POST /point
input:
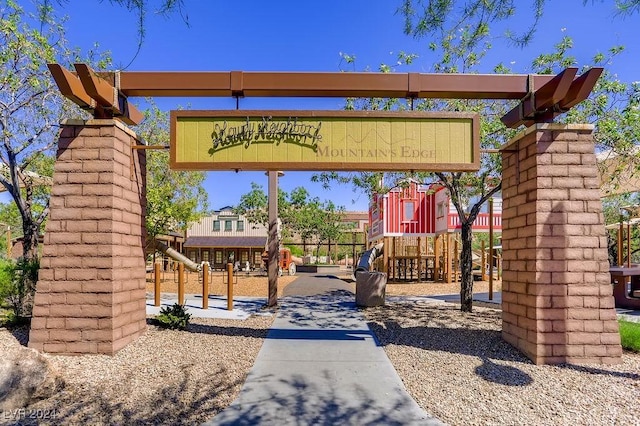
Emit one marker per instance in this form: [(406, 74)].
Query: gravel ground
[(455, 366), (165, 377)]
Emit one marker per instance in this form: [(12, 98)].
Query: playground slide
[(368, 257), (162, 247)]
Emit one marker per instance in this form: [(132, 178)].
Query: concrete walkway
[(321, 365)]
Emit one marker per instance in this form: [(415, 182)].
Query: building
[(418, 227), (223, 237)]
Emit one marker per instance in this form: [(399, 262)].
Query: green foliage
[(175, 199), (31, 108), (173, 317), (630, 335), (16, 282)]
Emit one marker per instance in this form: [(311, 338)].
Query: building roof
[(225, 242)]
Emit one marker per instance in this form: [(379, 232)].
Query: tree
[(140, 8), (301, 215), (446, 19), (30, 109), (175, 199)]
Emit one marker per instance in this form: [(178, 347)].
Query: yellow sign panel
[(324, 140)]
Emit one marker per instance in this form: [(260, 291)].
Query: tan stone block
[(610, 326), (121, 343), (575, 350), (106, 348), (583, 313), (80, 226), (550, 314), (58, 335), (65, 286), (53, 348), (609, 338), (63, 311), (98, 285), (614, 350), (98, 165), (96, 311), (81, 324), (584, 338), (66, 189), (607, 314), (97, 335), (572, 325), (98, 262), (53, 322), (82, 299), (83, 178), (82, 348)]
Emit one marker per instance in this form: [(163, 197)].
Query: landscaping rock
[(26, 376)]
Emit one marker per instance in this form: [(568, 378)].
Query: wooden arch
[(542, 97)]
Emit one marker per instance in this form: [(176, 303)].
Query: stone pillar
[(90, 297), (557, 303)]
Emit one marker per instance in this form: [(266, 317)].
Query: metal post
[(229, 286), (181, 283), (490, 248), (156, 286), (205, 285), (274, 249)]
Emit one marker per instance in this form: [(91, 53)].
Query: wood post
[(436, 258), (483, 261), (419, 261), (491, 248), (229, 286), (205, 285), (181, 283), (156, 285)]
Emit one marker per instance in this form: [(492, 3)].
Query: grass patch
[(630, 335)]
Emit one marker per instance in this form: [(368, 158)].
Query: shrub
[(173, 317), (17, 286), (630, 335)]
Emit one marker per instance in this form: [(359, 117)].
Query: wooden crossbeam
[(94, 93), (537, 102), (98, 88), (70, 86), (556, 97), (580, 89), (542, 96)]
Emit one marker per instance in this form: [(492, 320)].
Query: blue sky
[(309, 36)]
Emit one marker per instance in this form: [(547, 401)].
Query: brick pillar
[(90, 297), (557, 303)]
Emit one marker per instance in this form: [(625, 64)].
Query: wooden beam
[(538, 104), (317, 84), (97, 87), (70, 86), (580, 89), (108, 96)]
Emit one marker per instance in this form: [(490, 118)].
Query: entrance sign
[(324, 140)]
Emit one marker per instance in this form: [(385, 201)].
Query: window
[(205, 256), (408, 210), (244, 256), (257, 258), (192, 255), (440, 209), (216, 226), (228, 226), (218, 256), (240, 226)]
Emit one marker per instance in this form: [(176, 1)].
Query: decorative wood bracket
[(553, 98), (94, 93)]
